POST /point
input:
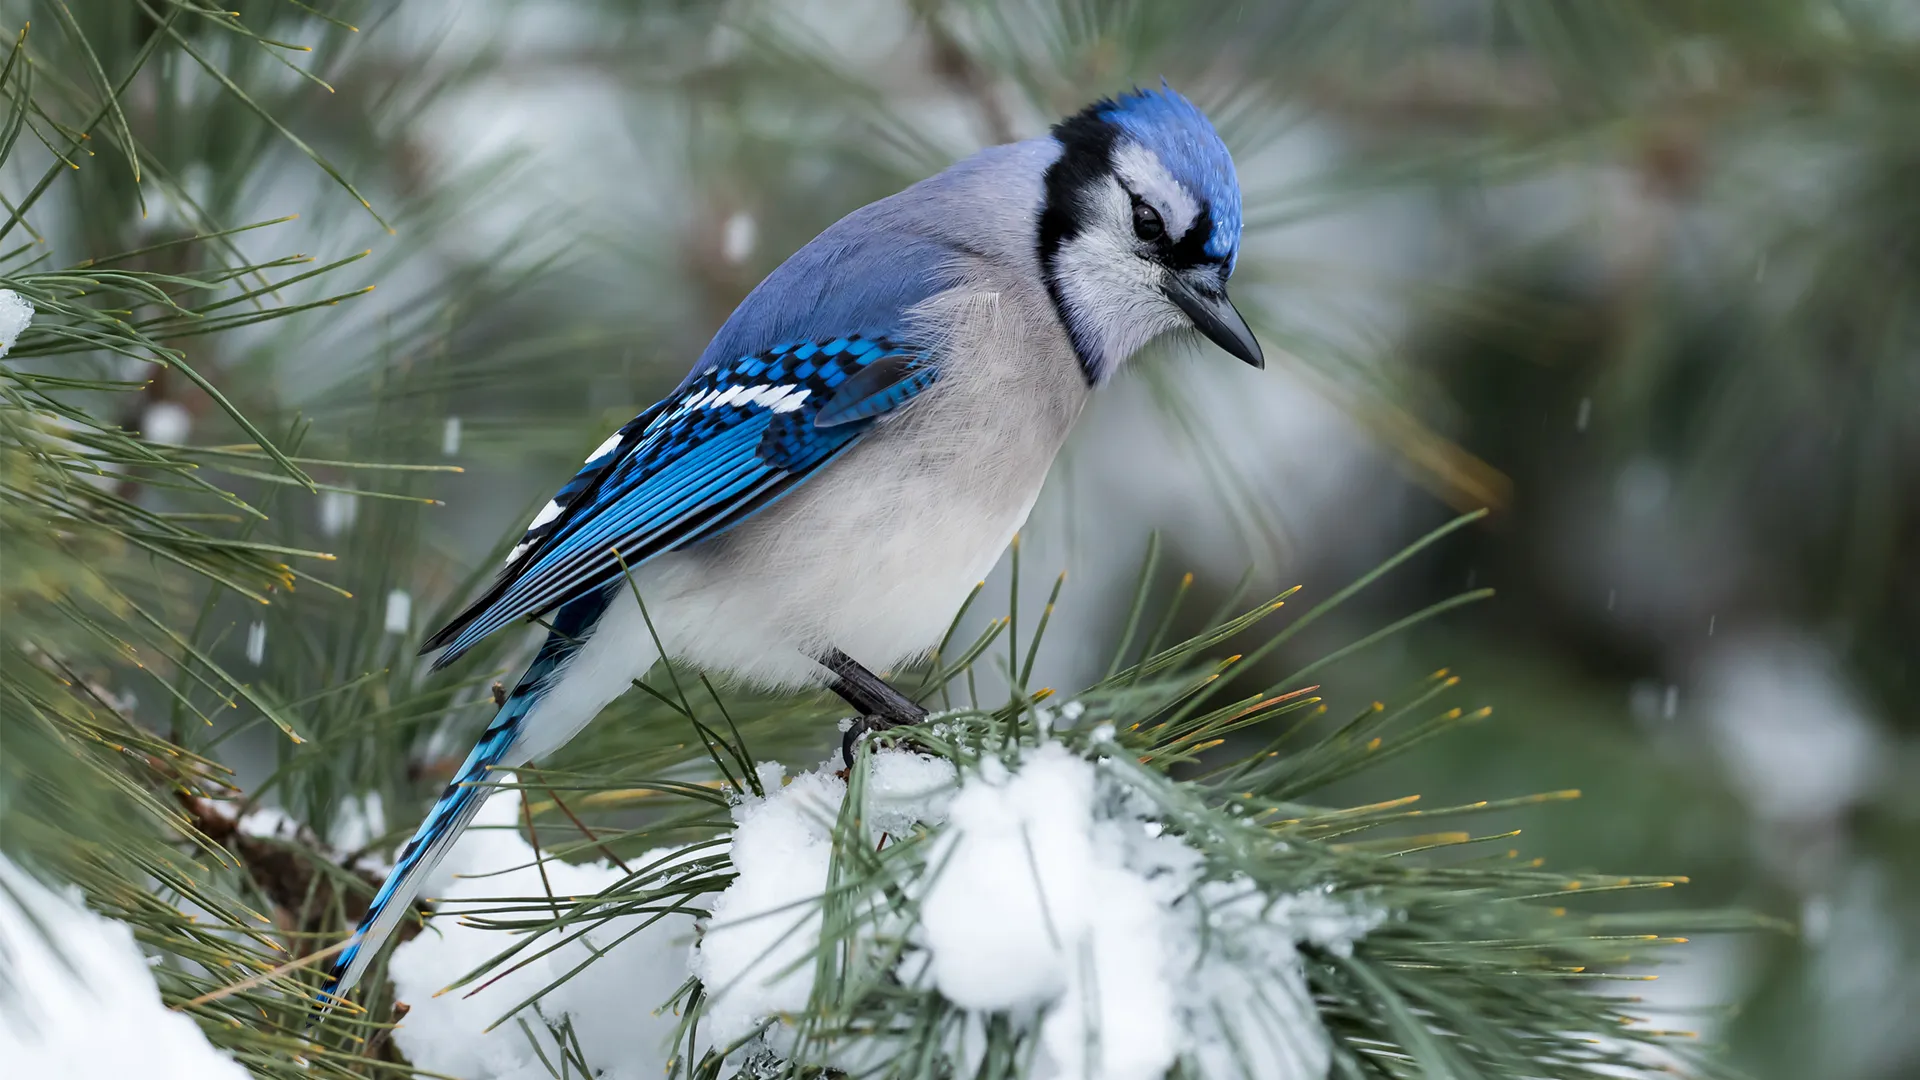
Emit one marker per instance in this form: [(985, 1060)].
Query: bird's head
[(1141, 228)]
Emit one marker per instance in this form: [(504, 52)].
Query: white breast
[(874, 555)]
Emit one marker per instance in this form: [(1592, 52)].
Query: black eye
[(1146, 222)]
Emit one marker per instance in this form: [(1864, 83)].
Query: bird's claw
[(860, 726)]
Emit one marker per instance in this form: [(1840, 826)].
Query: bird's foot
[(858, 727), (881, 706), (865, 725)]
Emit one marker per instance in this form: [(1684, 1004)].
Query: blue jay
[(857, 445)]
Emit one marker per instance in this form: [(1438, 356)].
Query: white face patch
[(1113, 295), (1143, 174)]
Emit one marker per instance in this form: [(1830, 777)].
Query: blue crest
[(1184, 139)]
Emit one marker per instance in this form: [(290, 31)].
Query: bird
[(856, 446)]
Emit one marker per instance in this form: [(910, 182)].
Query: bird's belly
[(873, 556)]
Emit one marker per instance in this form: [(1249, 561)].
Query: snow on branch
[(1038, 893)]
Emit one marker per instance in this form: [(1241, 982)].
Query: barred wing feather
[(727, 444)]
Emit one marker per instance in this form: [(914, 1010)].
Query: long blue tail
[(502, 745)]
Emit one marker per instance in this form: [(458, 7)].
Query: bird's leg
[(880, 706)]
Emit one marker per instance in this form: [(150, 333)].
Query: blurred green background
[(1642, 276)]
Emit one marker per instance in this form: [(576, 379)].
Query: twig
[(379, 1040), (539, 860), (588, 833)]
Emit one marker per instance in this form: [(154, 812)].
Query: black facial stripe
[(1085, 159), (1191, 251)]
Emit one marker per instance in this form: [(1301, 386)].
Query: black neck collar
[(1086, 157)]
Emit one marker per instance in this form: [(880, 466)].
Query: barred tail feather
[(430, 843), (569, 681)]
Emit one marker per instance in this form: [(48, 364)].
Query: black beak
[(1215, 317)]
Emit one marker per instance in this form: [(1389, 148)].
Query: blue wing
[(728, 443)]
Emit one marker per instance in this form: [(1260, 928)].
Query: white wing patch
[(603, 450), (776, 397), (547, 513)]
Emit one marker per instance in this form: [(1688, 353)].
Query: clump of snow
[(1056, 897), (1319, 917), (609, 1005), (904, 789), (16, 314), (770, 774), (79, 1001), (1047, 719), (1249, 1011), (754, 954), (1035, 906), (1052, 900), (1260, 1023)]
